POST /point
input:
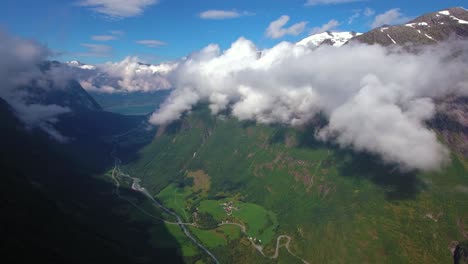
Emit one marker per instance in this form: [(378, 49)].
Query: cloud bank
[(128, 75), (377, 100)]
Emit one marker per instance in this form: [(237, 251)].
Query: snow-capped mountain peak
[(335, 39), (77, 64)]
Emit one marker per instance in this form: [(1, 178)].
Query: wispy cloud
[(222, 14), (103, 37), (367, 12), (332, 24), (118, 8), (151, 43), (354, 16), (390, 17), (328, 2), (117, 32), (276, 28), (95, 50), (114, 34)]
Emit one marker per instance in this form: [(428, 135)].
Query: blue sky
[(96, 31)]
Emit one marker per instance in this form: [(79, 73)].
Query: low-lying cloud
[(377, 100), (19, 69)]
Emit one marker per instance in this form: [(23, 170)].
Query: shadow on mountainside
[(57, 212), (398, 185)]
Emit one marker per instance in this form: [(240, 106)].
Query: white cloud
[(151, 43), (376, 99), (354, 16), (369, 12), (329, 2), (114, 34), (390, 17), (117, 32), (103, 37), (332, 24), (118, 8), (276, 28), (222, 14), (95, 50)]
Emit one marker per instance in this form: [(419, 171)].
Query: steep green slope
[(336, 206)]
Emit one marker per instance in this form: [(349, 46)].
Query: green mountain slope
[(335, 206)]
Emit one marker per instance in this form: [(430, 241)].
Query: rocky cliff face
[(451, 121)]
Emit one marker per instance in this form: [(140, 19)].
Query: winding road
[(137, 187), (260, 248)]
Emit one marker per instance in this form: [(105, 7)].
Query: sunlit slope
[(336, 205)]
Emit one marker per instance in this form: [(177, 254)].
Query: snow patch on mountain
[(459, 20), (444, 12), (423, 24), (336, 39)]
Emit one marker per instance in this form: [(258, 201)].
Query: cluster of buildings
[(229, 207)]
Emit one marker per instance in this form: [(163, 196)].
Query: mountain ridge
[(424, 30)]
